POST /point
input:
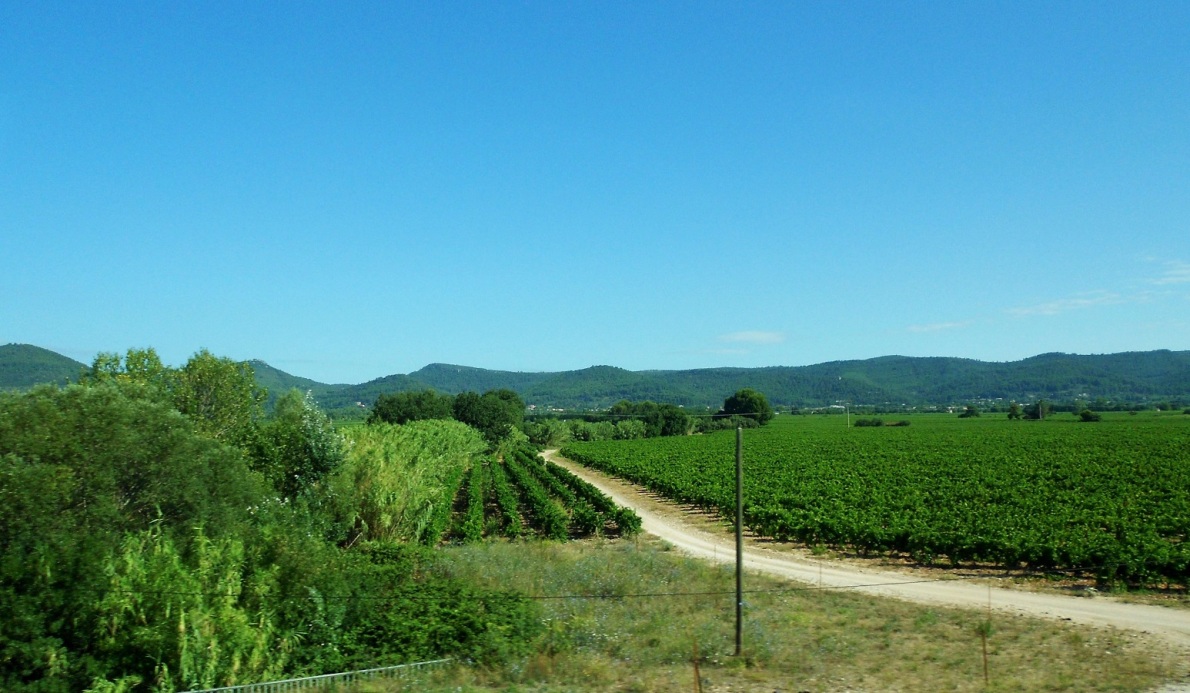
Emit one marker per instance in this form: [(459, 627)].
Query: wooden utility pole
[(739, 541)]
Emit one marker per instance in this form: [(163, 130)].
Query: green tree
[(403, 407), (970, 412), (300, 445), (80, 467), (219, 395), (1038, 411), (139, 373), (748, 403), (495, 414), (1014, 411)]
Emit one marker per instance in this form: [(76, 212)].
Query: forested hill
[(1128, 378), (23, 365), (1135, 377)]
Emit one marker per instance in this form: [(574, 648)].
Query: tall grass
[(649, 607), (396, 478)]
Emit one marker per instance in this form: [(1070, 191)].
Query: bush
[(868, 422), (1088, 415)]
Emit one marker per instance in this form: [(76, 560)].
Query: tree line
[(159, 532)]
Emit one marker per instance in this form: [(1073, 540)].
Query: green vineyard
[(523, 495), (1110, 499)]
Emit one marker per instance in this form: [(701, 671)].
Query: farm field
[(524, 496), (430, 482), (1109, 499)]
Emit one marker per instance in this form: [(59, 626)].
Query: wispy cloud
[(1176, 272), (939, 326), (753, 337), (1076, 302)]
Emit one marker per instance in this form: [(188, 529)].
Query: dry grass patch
[(654, 605)]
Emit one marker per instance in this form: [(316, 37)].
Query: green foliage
[(395, 478), (658, 419), (748, 403), (1039, 410), (186, 620), (298, 447), (495, 414), (403, 407), (1014, 411), (629, 429), (1089, 416), (81, 467), (406, 614), (141, 551), (477, 488), (547, 433), (872, 422), (557, 503), (545, 514), (506, 500), (219, 395), (970, 412)]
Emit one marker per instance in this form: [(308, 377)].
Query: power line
[(561, 597)]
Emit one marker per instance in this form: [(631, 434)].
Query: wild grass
[(644, 609)]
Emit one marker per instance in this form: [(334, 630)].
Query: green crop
[(1111, 499)]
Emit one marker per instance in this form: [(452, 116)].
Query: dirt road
[(682, 530)]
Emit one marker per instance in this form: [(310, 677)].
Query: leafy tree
[(1014, 411), (403, 407), (1088, 416), (663, 419), (495, 414), (970, 412), (547, 433), (1038, 411), (219, 395), (629, 429), (300, 446), (748, 403), (139, 373), (81, 467)]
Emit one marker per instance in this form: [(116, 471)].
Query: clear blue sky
[(349, 190)]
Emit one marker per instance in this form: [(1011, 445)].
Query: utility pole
[(739, 541)]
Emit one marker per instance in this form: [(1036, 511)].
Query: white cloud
[(753, 337), (939, 326), (1176, 272), (1076, 302)]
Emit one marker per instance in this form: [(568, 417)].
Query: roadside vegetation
[(645, 610)]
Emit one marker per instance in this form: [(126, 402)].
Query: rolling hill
[(887, 381), (23, 365)]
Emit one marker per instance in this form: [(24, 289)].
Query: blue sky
[(351, 190)]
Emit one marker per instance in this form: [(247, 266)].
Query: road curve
[(1170, 624)]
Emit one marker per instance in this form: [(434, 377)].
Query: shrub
[(869, 422)]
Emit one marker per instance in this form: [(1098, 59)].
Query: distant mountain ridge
[(1129, 377)]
